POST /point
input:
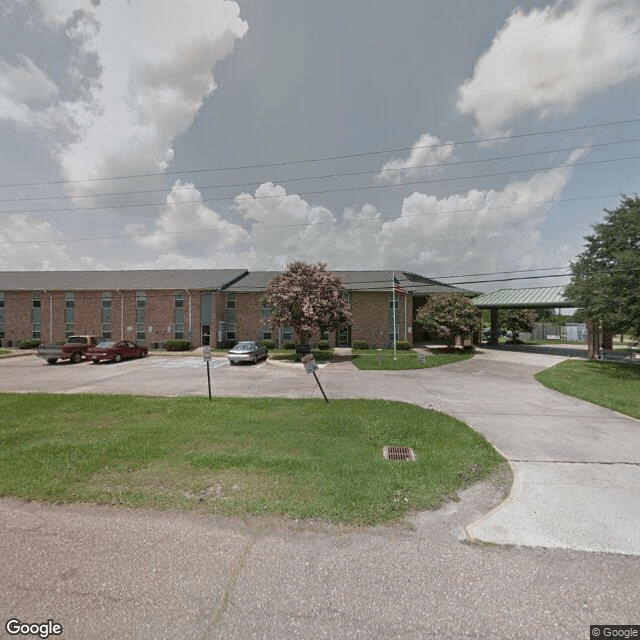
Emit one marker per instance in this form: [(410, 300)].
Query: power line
[(328, 158), (320, 177), (264, 226), (239, 198)]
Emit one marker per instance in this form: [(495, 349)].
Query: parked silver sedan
[(247, 351)]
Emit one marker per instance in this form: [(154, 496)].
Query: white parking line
[(176, 363)]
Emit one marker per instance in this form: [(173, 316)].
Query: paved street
[(563, 549)]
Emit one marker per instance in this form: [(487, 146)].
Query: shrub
[(269, 344), (60, 341), (178, 345), (29, 344), (360, 344), (229, 344), (289, 345), (403, 345), (323, 345)]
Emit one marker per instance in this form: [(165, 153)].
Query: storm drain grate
[(398, 453)]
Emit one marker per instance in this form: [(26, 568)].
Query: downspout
[(50, 315), (121, 313), (190, 328)]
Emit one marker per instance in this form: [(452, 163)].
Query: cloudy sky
[(446, 138)]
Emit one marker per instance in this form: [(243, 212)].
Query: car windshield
[(76, 340), (106, 345), (243, 346)]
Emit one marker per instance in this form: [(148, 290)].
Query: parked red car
[(115, 351)]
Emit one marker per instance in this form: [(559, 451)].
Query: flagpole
[(393, 289)]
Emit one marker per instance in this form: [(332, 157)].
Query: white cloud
[(286, 227), (21, 244), (185, 225), (426, 154), (481, 230), (141, 71), (25, 93), (550, 59)]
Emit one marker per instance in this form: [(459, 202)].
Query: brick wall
[(370, 311), (17, 316)]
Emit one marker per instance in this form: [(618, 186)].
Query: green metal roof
[(523, 298)]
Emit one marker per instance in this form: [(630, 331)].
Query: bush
[(323, 345), (229, 344), (289, 345), (60, 341), (360, 345), (403, 345), (29, 344), (269, 344), (178, 345)]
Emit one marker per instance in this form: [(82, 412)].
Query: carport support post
[(494, 325)]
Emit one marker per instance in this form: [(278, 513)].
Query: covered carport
[(532, 298)]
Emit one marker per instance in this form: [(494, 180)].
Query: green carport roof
[(523, 298)]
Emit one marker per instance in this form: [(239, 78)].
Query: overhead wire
[(328, 158), (264, 226), (240, 198), (281, 180)]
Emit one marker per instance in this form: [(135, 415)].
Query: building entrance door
[(205, 332), (344, 337)]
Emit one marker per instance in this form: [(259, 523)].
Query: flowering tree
[(449, 315), (517, 321), (308, 297)]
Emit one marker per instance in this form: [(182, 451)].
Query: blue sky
[(441, 138)]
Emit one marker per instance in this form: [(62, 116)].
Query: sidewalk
[(576, 465)]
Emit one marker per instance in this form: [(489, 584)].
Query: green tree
[(605, 281), (449, 315), (517, 321), (308, 297)]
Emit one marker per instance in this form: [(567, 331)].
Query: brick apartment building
[(205, 306)]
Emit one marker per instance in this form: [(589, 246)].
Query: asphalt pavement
[(561, 553)]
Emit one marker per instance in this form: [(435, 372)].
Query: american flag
[(398, 288)]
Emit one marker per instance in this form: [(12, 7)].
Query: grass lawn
[(297, 458), (4, 352), (615, 385), (369, 359), (324, 355)]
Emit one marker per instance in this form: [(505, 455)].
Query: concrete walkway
[(576, 465)]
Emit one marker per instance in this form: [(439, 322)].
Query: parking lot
[(155, 375)]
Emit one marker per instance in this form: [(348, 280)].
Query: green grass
[(383, 361), (296, 458), (4, 352), (289, 355), (615, 385)]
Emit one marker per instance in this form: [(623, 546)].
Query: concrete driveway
[(573, 517)]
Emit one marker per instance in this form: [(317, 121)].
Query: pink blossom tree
[(449, 315), (308, 297)]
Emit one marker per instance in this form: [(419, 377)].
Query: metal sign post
[(206, 356), (311, 366)]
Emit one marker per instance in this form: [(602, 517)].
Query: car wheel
[(76, 357), (255, 359), (52, 360), (142, 353), (117, 357), (95, 360)]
